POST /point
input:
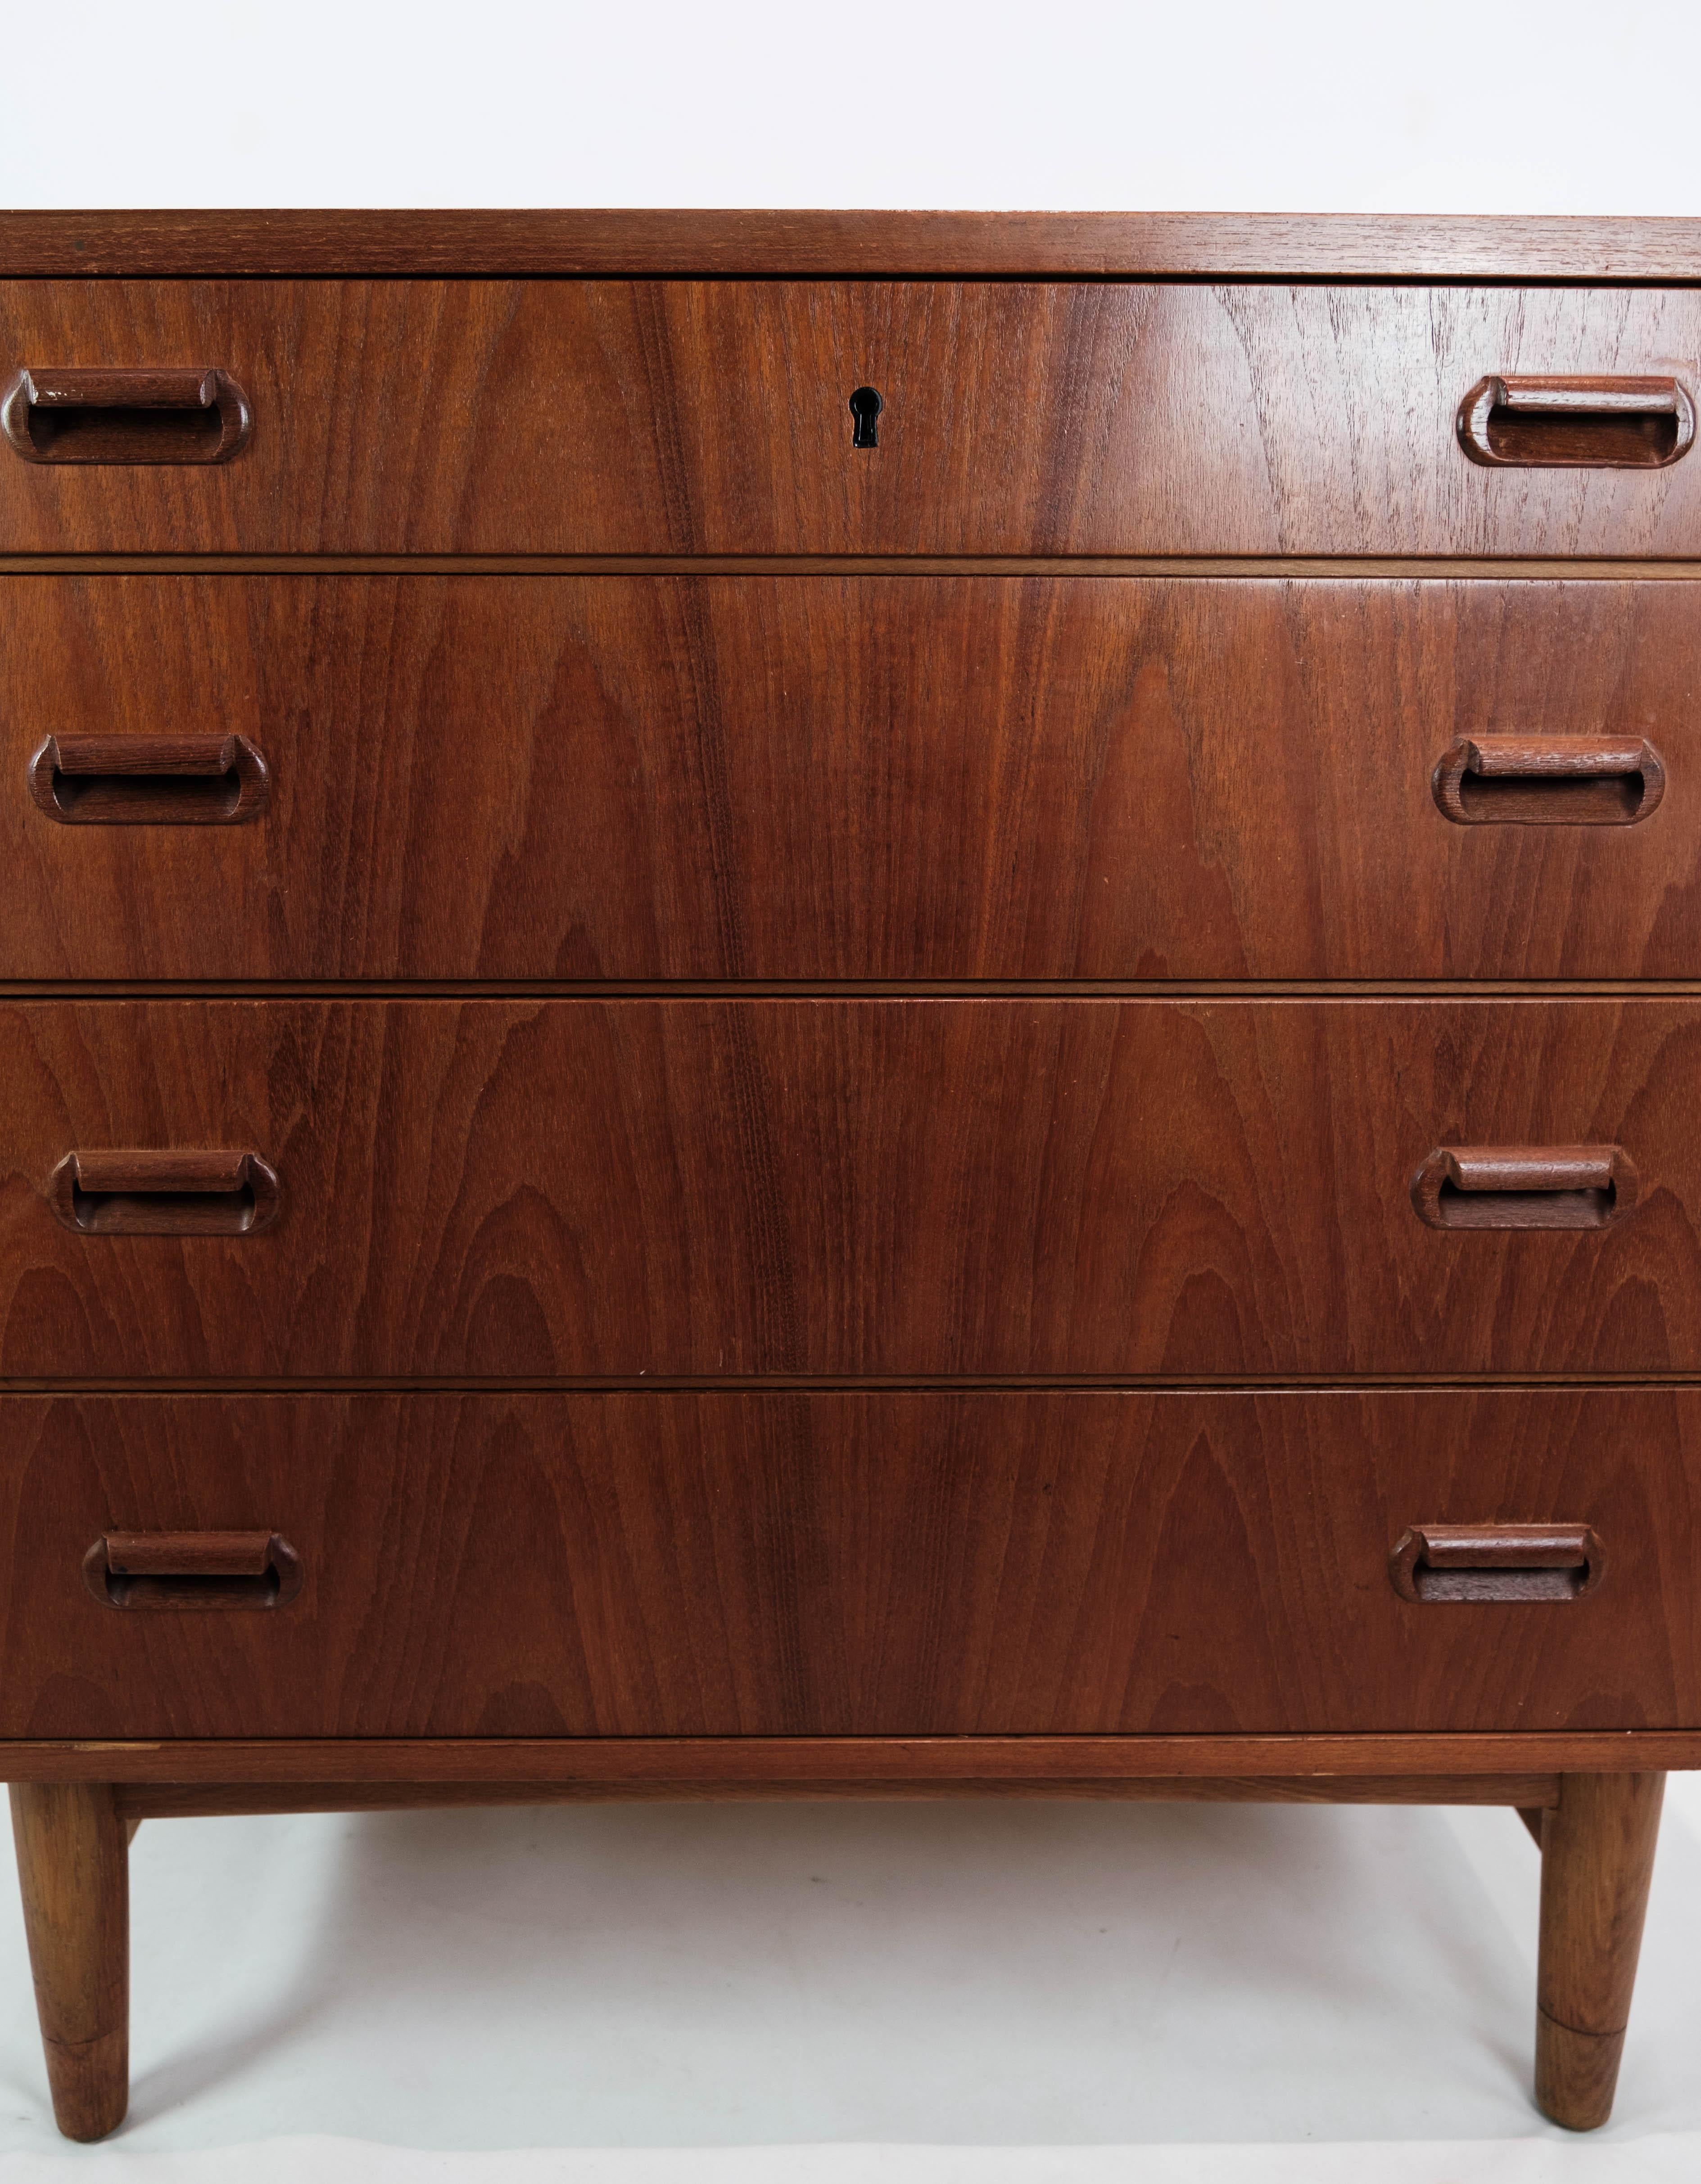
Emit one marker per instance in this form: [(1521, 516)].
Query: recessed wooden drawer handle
[(65, 415), (1549, 781), (1510, 422), (1523, 1186), (1495, 1562), (164, 1193), (149, 781), (192, 1569)]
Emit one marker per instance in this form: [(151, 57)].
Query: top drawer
[(690, 416)]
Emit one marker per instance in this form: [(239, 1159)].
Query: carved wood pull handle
[(1523, 1186), (1511, 422), (1549, 781), (64, 413), (192, 1569), (164, 1193), (149, 781), (1495, 1562)]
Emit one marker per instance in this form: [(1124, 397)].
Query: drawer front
[(846, 777), (624, 417), (846, 1187), (875, 1563)]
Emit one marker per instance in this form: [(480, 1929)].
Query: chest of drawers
[(856, 1006)]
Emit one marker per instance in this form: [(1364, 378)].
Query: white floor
[(904, 1993)]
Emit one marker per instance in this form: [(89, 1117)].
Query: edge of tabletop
[(821, 245)]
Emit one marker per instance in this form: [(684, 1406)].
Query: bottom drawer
[(777, 1562)]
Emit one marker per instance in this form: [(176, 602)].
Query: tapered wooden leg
[(1597, 1860), (73, 1867)]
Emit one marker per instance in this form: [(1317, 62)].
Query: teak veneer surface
[(613, 417), (1532, 1794), (591, 1505), (834, 1766), (814, 778), (902, 1187), (74, 1873), (847, 1563), (1081, 244)]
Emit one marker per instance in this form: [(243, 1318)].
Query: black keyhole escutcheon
[(865, 406)]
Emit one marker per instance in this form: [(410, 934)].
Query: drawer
[(841, 1563), (690, 416), (934, 1187), (827, 778)]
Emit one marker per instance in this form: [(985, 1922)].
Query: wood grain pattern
[(852, 1564), (608, 417), (720, 1766), (74, 1869), (851, 777), (524, 1591), (1532, 1795), (1598, 1847), (927, 1187), (1086, 245)]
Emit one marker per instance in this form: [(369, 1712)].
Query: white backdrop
[(1565, 107), (1003, 1992)]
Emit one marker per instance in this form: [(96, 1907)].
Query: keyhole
[(865, 406)]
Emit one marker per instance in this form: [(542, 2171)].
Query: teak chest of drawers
[(848, 1004)]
